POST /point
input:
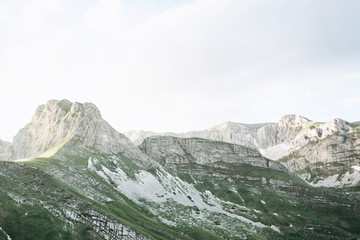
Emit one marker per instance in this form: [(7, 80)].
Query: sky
[(180, 65)]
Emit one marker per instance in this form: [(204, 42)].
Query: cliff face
[(6, 151), (258, 136), (332, 161), (84, 180), (172, 151), (324, 154), (59, 124), (273, 140)]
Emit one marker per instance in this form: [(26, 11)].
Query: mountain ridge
[(60, 123), (282, 140), (168, 188)]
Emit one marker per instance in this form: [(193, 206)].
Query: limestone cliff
[(172, 151), (258, 136), (324, 154), (331, 161), (66, 125), (6, 151)]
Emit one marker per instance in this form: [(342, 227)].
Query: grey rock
[(257, 136), (6, 151), (324, 158), (300, 144), (72, 125), (172, 151)]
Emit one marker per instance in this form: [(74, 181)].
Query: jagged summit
[(63, 124), (293, 120), (65, 106)]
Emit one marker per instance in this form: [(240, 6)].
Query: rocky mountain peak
[(338, 125), (293, 120), (55, 109), (79, 125)]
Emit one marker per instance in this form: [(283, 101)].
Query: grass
[(29, 222), (53, 150), (27, 217), (332, 216), (311, 125), (125, 211), (355, 124), (243, 185)]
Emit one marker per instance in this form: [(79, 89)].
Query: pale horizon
[(182, 65)]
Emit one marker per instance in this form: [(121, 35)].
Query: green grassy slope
[(29, 196), (275, 198)]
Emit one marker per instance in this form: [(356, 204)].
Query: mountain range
[(323, 154), (69, 175)]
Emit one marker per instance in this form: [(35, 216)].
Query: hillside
[(75, 177)]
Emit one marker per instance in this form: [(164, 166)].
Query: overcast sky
[(179, 65)]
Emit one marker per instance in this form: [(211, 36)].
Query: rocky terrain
[(73, 176), (332, 162), (62, 122), (172, 152), (6, 151), (298, 143), (34, 206)]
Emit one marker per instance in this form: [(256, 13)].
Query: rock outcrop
[(66, 125), (6, 151), (172, 151), (330, 161), (302, 145), (31, 188), (258, 136), (273, 140)]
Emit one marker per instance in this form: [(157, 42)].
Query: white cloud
[(189, 66), (105, 16)]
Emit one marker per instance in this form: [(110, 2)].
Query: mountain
[(34, 206), (293, 141), (62, 125), (333, 161), (259, 136), (174, 152), (76, 177), (241, 176), (6, 150)]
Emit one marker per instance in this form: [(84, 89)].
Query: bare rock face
[(63, 124), (333, 161), (324, 154), (273, 140), (172, 151), (317, 131), (257, 136), (6, 151)]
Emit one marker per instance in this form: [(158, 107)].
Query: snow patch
[(164, 187), (7, 236), (167, 222), (275, 228), (348, 179), (276, 152), (356, 168)]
